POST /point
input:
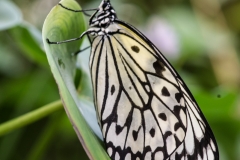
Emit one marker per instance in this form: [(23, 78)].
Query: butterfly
[(144, 108)]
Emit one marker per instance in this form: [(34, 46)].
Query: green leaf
[(10, 15), (62, 24)]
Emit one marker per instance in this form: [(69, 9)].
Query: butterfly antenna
[(83, 11)]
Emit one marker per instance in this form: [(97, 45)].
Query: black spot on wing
[(162, 116), (177, 126), (165, 92), (176, 109), (178, 97), (135, 49), (159, 67), (135, 134), (152, 132), (112, 89), (118, 129)]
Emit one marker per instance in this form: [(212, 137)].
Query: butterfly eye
[(105, 5)]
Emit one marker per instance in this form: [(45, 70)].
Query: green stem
[(30, 117)]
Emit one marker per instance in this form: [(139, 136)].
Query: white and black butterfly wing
[(144, 108)]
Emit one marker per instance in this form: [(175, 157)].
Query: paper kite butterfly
[(145, 110)]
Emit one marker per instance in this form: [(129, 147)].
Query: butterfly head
[(104, 6), (104, 16)]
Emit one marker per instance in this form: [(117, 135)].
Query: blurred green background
[(200, 39)]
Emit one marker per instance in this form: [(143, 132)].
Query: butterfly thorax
[(102, 18)]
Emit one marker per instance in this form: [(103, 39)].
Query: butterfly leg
[(81, 50)]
